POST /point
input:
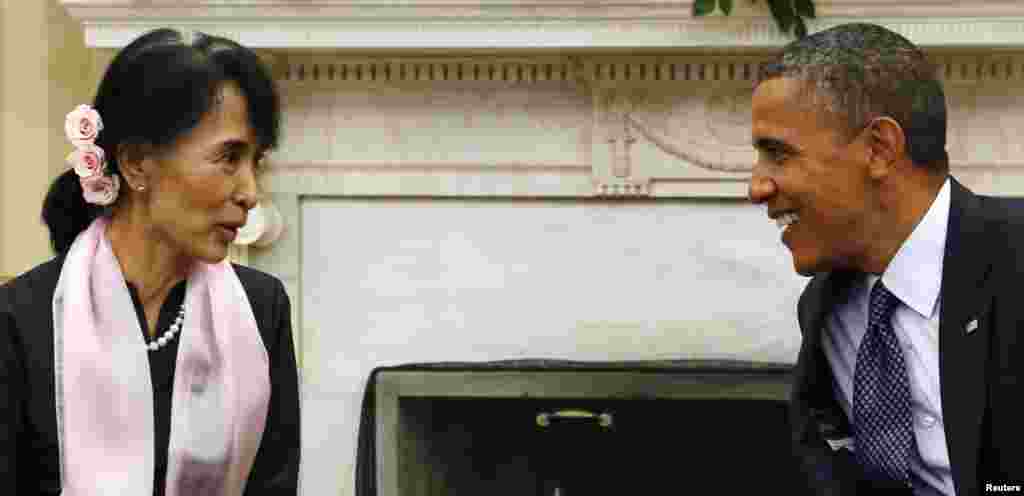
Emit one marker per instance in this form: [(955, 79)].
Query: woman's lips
[(228, 233)]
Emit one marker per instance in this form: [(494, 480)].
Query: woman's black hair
[(155, 90)]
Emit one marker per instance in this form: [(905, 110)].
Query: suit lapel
[(824, 293), (963, 354), (814, 384), (817, 417)]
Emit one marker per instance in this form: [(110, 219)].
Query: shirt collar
[(915, 274)]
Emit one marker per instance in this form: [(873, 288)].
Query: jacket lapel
[(823, 293), (816, 416), (963, 330)]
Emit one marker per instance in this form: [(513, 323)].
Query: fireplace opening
[(586, 447)]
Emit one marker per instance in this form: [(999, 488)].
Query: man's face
[(814, 182)]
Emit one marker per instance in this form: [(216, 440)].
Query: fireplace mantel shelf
[(533, 24)]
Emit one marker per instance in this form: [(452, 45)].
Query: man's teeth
[(786, 220)]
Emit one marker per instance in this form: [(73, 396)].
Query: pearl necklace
[(162, 341)]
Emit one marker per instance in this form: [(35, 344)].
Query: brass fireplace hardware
[(603, 419)]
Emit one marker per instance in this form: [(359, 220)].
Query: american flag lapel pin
[(971, 326)]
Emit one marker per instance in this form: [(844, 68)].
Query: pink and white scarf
[(105, 396)]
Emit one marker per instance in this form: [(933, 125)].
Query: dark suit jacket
[(28, 430), (981, 372)]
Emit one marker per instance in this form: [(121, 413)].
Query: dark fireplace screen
[(579, 429)]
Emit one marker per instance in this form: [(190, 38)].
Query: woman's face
[(202, 188)]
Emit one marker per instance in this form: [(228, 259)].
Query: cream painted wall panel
[(392, 281), (24, 170), (46, 71)]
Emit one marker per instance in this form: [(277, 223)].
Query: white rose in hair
[(100, 189), (88, 160), (82, 125)]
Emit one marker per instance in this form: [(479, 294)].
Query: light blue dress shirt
[(915, 276)]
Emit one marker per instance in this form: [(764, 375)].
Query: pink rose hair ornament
[(82, 125)]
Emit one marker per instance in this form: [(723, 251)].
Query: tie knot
[(883, 302)]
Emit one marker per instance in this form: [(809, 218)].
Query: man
[(909, 375)]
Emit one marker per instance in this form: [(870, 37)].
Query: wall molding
[(341, 70), (977, 65), (503, 24)]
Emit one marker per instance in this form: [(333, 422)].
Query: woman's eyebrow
[(232, 144)]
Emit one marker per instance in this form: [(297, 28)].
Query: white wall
[(386, 282)]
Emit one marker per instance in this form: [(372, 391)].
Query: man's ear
[(134, 161), (887, 145)]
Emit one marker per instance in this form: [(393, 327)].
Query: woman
[(139, 361)]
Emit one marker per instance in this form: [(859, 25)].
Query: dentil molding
[(529, 24)]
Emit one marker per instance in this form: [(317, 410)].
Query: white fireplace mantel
[(530, 24)]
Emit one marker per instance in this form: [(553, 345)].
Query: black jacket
[(981, 372), (28, 436)]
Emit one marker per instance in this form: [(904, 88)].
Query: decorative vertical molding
[(619, 134), (613, 139), (284, 260)]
